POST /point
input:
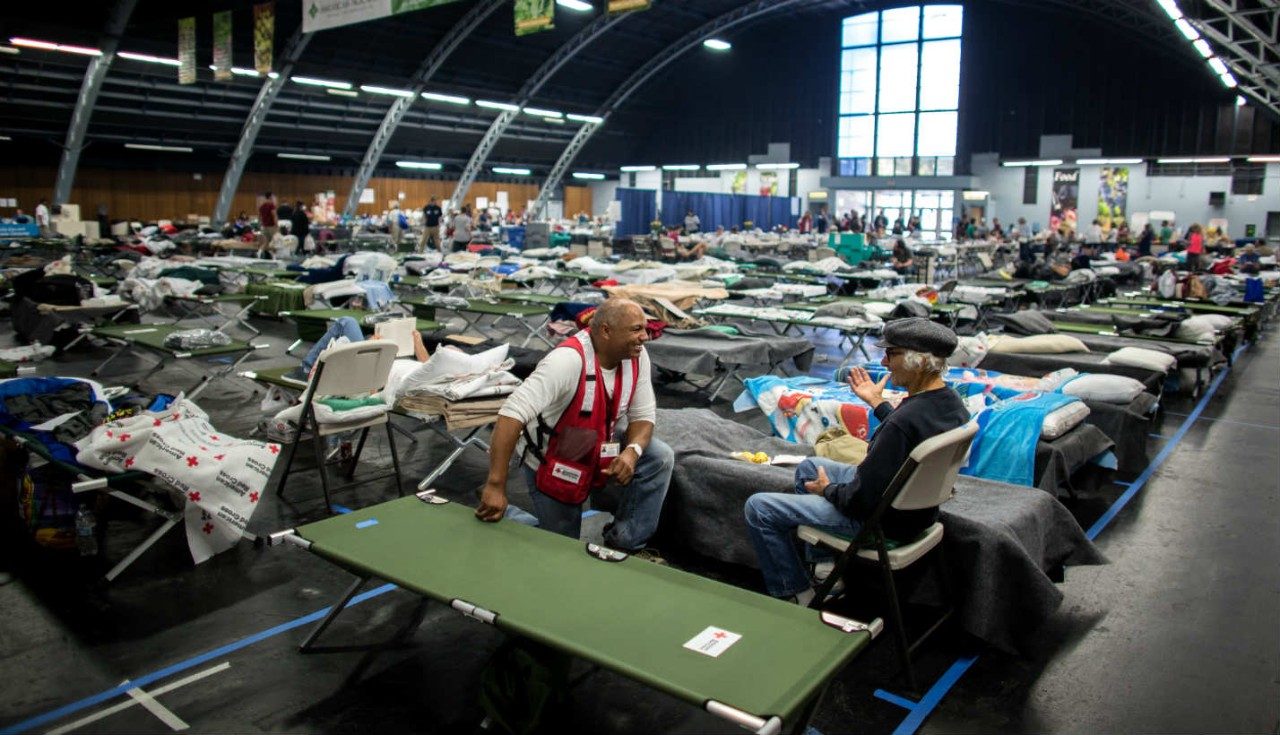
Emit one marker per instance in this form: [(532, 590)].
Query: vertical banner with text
[(264, 36), (533, 16), (1113, 197), (1066, 199), (186, 51), (626, 6), (222, 46)]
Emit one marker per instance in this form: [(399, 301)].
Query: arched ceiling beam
[(89, 89), (743, 14), (1248, 39), (253, 124), (395, 115), (531, 86)]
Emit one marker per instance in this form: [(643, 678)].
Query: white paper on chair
[(399, 332)]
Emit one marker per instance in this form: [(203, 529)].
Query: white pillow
[(1219, 321), (1063, 419), (969, 351), (1107, 388), (1197, 328), (1142, 358), (1039, 344)]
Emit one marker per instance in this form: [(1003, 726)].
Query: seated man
[(585, 450), (840, 498), (1248, 261), (344, 326)]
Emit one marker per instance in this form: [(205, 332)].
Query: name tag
[(566, 473), (609, 450)]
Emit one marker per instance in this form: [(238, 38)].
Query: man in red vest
[(565, 417)]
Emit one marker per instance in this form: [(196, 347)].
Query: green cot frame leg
[(459, 445), (84, 333), (171, 519)]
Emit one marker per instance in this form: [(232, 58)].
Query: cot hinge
[(289, 535), (479, 613), (604, 553), (429, 497), (759, 725), (849, 625)]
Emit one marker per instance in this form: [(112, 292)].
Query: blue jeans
[(637, 516), (343, 326), (772, 519)]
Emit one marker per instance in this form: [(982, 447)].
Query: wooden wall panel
[(153, 195)]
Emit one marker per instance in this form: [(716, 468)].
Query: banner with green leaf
[(222, 46), (626, 6), (264, 35), (533, 16), (186, 51)]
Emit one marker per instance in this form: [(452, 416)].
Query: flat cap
[(919, 335)]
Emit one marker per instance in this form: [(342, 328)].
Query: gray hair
[(923, 362), (611, 310)]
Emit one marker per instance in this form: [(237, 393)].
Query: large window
[(935, 208), (900, 91)]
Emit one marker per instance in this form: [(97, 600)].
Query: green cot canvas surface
[(281, 296), (313, 323), (528, 297), (633, 617), (1189, 306), (153, 335)]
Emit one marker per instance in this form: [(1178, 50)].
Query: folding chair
[(352, 369), (925, 480)]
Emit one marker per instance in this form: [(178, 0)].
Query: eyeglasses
[(892, 352)]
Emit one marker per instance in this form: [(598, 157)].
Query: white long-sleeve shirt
[(548, 391)]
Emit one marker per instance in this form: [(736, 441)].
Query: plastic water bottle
[(86, 532)]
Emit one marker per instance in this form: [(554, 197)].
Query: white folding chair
[(925, 480), (355, 369)]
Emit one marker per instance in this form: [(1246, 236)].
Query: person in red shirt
[(1195, 248), (267, 222)]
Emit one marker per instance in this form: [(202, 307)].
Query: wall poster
[(1066, 199), (533, 16), (1113, 197)]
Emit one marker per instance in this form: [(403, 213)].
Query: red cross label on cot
[(712, 642)]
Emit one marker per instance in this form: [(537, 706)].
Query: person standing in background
[(300, 225), (462, 229), (431, 224), (267, 221), (42, 217), (820, 224), (1195, 248)]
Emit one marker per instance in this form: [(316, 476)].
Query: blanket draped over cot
[(1002, 541), (221, 477), (701, 351)]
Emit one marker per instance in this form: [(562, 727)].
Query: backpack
[(1194, 288)]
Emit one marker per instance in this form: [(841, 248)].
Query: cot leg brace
[(459, 445), (171, 519), (84, 334), (206, 380)]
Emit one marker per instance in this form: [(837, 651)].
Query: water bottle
[(86, 532)]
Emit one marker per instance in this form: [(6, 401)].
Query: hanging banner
[(186, 51), (768, 183), (626, 6), (533, 16), (222, 46), (1113, 197), (317, 15), (1066, 199), (264, 36)]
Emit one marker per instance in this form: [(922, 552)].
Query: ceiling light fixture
[(716, 44), (1263, 159), (1228, 80), (588, 176), (576, 5), (538, 112), (9, 50), (726, 166), (156, 147), (585, 118), (1044, 162), (681, 167), (490, 104), (1106, 161), (423, 165), (776, 166), (1203, 47), (450, 98), (1185, 28), (1215, 159), (375, 89), (149, 58), (343, 92), (302, 156), (50, 46), (313, 82), (637, 169), (511, 171), (1170, 8)]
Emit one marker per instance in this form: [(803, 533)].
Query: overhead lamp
[(1263, 159), (5, 138), (554, 120), (1043, 162), (240, 71), (50, 46), (375, 89), (1228, 80), (776, 166), (490, 104), (1170, 8), (1106, 161), (585, 118), (9, 50), (1217, 65), (726, 166), (1184, 26), (716, 44), (157, 147), (576, 5), (148, 58), (1203, 47), (450, 98), (423, 165), (302, 156), (511, 171), (974, 195), (313, 82), (1214, 159), (343, 92), (637, 169), (588, 176), (681, 167), (1241, 101), (538, 112)]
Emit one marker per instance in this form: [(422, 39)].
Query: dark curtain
[(725, 210), (638, 210)]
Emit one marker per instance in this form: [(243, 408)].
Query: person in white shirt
[(635, 459), (462, 229), (692, 223), (42, 217)]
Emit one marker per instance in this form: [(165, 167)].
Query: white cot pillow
[(1063, 419), (1143, 358), (1106, 388), (1197, 328)]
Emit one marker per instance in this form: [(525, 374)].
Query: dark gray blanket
[(1126, 425), (1001, 540), (702, 351), (1058, 460)]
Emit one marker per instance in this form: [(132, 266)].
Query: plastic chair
[(925, 480), (354, 369)]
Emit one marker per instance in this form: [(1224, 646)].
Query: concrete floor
[(1177, 634)]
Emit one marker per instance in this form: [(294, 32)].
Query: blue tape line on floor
[(891, 698), (340, 509), (932, 697)]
